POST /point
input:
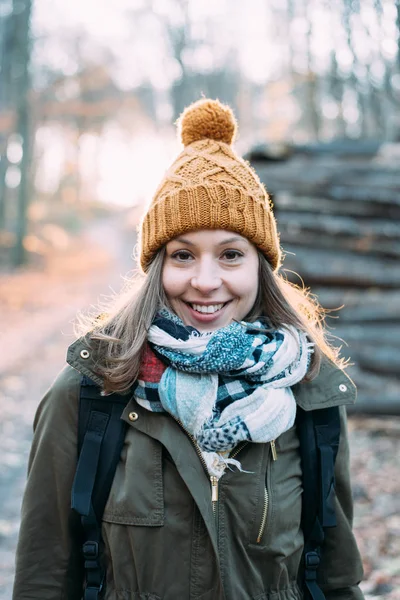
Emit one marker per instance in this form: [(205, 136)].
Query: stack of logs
[(339, 221)]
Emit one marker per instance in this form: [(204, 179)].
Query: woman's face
[(210, 277)]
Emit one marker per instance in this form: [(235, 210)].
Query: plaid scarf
[(226, 386)]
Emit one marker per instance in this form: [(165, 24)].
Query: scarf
[(224, 387)]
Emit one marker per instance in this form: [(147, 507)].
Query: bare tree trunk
[(346, 13), (291, 51), (3, 189), (397, 4), (6, 25), (180, 40), (374, 94), (22, 10), (335, 84), (312, 80)]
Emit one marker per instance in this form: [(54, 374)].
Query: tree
[(7, 24), (21, 59)]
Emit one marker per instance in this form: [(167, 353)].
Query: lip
[(207, 303), (207, 317)]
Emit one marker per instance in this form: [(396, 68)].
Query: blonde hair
[(122, 331)]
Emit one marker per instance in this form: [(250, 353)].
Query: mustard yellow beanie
[(209, 187)]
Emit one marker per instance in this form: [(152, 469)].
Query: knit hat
[(209, 187)]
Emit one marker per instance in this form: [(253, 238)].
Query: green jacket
[(163, 537)]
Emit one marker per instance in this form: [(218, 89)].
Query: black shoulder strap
[(101, 434), (319, 434)]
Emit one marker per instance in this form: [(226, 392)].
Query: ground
[(36, 312)]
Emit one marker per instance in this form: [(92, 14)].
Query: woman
[(217, 352)]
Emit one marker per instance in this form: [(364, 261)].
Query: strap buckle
[(90, 550), (312, 561), (92, 593)]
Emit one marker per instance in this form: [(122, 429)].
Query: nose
[(206, 278)]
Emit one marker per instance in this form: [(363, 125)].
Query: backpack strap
[(101, 434), (319, 434)]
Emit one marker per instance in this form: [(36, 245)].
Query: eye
[(182, 255), (232, 255)]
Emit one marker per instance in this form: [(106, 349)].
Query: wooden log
[(358, 174), (366, 236), (265, 151), (379, 205), (374, 358), (364, 307), (364, 245), (373, 382), (376, 394), (375, 194), (345, 148), (340, 182), (324, 267), (286, 202), (369, 404), (386, 334), (341, 225), (373, 177)]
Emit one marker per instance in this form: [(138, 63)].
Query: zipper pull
[(273, 450), (214, 488)]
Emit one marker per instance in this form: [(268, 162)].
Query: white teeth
[(207, 309)]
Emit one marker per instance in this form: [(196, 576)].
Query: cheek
[(167, 282), (247, 285), (251, 295), (173, 281)]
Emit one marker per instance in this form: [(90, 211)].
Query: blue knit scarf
[(229, 385)]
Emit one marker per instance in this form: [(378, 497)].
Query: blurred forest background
[(88, 99), (89, 93)]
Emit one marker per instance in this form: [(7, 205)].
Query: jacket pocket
[(282, 533), (264, 517), (137, 493), (259, 531)]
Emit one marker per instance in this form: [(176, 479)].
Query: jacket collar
[(82, 355), (332, 386)]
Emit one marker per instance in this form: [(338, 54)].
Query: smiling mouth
[(209, 309)]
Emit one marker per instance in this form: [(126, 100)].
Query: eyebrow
[(227, 241)]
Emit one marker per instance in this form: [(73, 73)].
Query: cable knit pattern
[(209, 187)]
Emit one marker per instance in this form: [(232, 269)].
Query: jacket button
[(84, 354), (343, 387), (133, 416)]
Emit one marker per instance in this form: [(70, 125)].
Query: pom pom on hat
[(207, 119)]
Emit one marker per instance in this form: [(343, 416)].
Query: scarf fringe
[(217, 464)]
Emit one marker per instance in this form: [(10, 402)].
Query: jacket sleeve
[(48, 565), (341, 566)]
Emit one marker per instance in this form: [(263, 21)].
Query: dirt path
[(36, 314), (20, 392), (35, 343)]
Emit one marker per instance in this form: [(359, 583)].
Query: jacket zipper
[(273, 450), (238, 449), (266, 498), (213, 479), (214, 493), (195, 444)]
